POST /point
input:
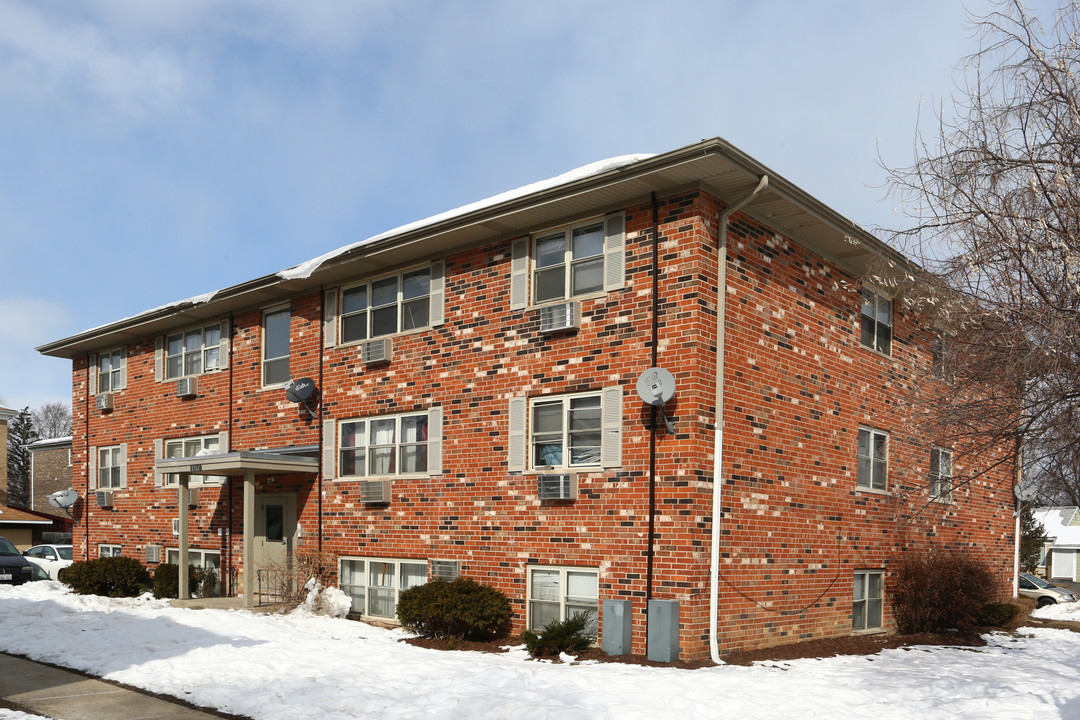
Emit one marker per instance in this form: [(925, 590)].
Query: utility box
[(616, 636), (663, 635)]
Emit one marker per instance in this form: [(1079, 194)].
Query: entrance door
[(275, 538)]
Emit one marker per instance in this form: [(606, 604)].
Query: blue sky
[(151, 151)]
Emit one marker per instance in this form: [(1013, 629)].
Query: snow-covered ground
[(306, 666)]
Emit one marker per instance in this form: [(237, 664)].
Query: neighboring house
[(6, 416), (23, 527), (473, 409), (1061, 554), (50, 471)]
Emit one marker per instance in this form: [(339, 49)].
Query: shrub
[(937, 591), (201, 581), (559, 636), (111, 576), (999, 614), (460, 609)]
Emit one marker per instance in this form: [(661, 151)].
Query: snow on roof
[(49, 442), (1055, 522), (304, 270)]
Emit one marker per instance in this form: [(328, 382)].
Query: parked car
[(1044, 593), (14, 568), (50, 558)]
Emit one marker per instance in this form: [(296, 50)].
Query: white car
[(50, 558), (1044, 593)]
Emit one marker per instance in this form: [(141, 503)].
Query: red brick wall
[(798, 385)]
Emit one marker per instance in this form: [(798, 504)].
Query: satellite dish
[(656, 386), (1025, 491), (300, 391), (63, 498)]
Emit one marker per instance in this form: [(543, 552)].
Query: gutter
[(718, 430)]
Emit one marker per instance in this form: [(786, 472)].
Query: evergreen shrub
[(460, 609), (560, 636), (110, 576)]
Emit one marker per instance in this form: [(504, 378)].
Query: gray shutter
[(92, 480), (329, 449), (123, 465), (223, 344), (223, 441), (611, 435), (223, 447), (159, 454), (159, 358), (519, 274), (123, 367), (330, 318), (517, 441), (438, 293), (434, 442), (93, 363), (615, 251)]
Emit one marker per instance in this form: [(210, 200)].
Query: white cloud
[(47, 58)]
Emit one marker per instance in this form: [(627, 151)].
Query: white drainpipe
[(718, 437)]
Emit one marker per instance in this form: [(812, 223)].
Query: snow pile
[(1062, 611), (301, 665), (324, 601)]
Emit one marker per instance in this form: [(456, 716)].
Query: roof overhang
[(712, 165), (237, 464)]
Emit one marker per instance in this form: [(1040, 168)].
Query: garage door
[(1064, 564)]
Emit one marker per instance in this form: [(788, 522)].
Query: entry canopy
[(236, 464)]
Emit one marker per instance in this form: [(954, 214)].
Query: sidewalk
[(64, 695)]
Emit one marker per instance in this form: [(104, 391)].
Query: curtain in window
[(382, 446)]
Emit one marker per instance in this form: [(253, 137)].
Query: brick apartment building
[(50, 471), (6, 416), (475, 411)]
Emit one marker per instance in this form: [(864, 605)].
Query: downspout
[(86, 463), (718, 431), (228, 528), (319, 422), (650, 551)]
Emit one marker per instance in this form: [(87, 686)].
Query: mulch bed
[(827, 647)]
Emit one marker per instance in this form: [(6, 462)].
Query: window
[(111, 367), (873, 459), (568, 262), (111, 467), (876, 322), (386, 306), (108, 551), (375, 583), (193, 352), (559, 593), (276, 347), (942, 362), (566, 431), (385, 445), (941, 474), (204, 560), (867, 600), (193, 447)]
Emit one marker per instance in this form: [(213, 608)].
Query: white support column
[(249, 538), (182, 498)]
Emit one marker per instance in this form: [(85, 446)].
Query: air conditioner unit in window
[(104, 498), (153, 553), (556, 487), (187, 387), (105, 402), (192, 500), (379, 350), (375, 491), (445, 569), (560, 318)]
